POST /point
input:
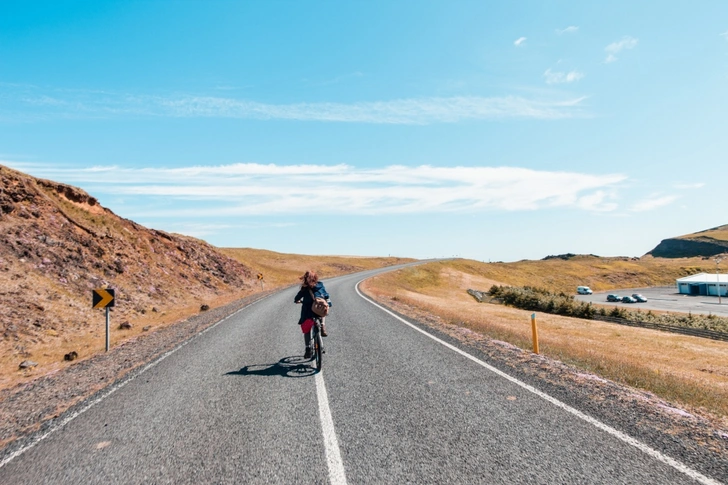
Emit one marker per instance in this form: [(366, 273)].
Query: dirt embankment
[(57, 243)]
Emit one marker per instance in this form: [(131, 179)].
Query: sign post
[(104, 298), (262, 283)]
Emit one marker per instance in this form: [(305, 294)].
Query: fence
[(695, 332)]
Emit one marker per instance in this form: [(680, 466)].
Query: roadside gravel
[(33, 407), (28, 410), (698, 440)]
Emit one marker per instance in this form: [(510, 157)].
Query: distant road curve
[(238, 404)]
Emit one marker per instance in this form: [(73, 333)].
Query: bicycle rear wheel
[(318, 349)]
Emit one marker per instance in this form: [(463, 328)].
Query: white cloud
[(615, 48), (568, 30), (562, 77), (519, 41), (248, 189), (724, 34), (418, 111), (653, 202), (697, 185)]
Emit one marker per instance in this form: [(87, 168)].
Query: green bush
[(542, 300)]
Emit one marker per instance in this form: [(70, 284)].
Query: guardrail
[(482, 297)]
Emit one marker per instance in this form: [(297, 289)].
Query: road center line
[(337, 476), (694, 474)]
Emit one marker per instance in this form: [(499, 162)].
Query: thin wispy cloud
[(32, 105), (724, 35), (571, 29), (627, 42), (555, 77), (697, 185), (249, 189), (520, 41), (652, 203)]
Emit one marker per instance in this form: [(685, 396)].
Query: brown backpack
[(320, 307)]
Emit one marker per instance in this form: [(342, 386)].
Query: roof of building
[(704, 278)]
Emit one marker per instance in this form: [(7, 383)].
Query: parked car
[(639, 298), (614, 298), (583, 290), (628, 299)]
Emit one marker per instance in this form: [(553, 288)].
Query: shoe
[(307, 354), (323, 332)]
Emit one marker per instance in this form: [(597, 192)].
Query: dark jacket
[(305, 296)]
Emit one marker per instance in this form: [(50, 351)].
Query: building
[(703, 284)]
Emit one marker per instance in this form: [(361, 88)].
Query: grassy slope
[(601, 274), (280, 269), (688, 370), (719, 233)]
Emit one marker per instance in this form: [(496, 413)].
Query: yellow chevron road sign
[(103, 297)]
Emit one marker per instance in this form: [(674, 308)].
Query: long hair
[(309, 279)]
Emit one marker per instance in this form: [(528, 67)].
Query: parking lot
[(665, 298)]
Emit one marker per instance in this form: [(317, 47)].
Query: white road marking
[(337, 476), (695, 475), (110, 390)]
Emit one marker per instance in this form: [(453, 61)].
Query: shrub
[(542, 300)]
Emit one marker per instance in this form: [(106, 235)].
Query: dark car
[(614, 298), (639, 298), (628, 299)]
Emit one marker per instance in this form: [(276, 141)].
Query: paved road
[(665, 298), (239, 405)]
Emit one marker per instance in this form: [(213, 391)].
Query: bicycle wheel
[(318, 348)]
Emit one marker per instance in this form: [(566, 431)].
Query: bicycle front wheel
[(318, 350)]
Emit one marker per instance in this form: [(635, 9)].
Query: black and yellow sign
[(103, 297), (260, 276)]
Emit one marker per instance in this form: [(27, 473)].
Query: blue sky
[(488, 130)]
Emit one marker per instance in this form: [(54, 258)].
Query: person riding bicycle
[(310, 284)]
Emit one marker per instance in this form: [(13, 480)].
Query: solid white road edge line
[(337, 476), (695, 475), (55, 427)]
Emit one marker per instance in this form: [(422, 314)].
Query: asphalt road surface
[(664, 298), (238, 404)]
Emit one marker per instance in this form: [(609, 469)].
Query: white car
[(583, 290)]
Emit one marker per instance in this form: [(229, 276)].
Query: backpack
[(320, 307)]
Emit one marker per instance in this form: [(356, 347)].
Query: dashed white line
[(337, 476), (695, 475)]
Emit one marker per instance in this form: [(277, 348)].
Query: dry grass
[(719, 233), (687, 370), (83, 329), (600, 274), (280, 269)]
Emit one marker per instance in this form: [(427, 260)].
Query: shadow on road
[(293, 366)]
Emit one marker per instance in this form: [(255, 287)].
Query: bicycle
[(317, 345)]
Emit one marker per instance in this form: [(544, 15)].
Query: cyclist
[(310, 284)]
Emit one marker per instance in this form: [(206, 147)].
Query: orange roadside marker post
[(534, 330)]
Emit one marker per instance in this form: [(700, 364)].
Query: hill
[(57, 243), (565, 274), (704, 243), (281, 269)]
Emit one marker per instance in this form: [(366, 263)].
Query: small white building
[(703, 284)]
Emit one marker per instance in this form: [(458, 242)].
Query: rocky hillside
[(57, 244), (704, 243)]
